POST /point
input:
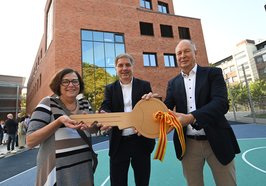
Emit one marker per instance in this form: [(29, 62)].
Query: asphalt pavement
[(22, 164)]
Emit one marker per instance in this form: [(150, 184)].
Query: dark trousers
[(1, 137), (128, 153), (11, 140)]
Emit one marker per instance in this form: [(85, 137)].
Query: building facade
[(260, 59), (87, 35), (10, 95), (248, 59)]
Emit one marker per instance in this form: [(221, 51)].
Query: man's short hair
[(125, 55), (9, 116)]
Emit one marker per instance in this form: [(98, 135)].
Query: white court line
[(244, 158), (105, 181), (251, 139), (8, 179), (108, 177)]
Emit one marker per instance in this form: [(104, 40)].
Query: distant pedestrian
[(11, 128), (2, 124), (5, 136), (27, 120), (22, 130)]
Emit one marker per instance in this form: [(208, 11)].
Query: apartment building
[(248, 59), (260, 59), (86, 35)]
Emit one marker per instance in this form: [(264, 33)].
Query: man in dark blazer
[(126, 146), (199, 96)]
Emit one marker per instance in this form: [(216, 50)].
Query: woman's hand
[(72, 123)]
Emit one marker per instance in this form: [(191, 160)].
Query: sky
[(224, 22)]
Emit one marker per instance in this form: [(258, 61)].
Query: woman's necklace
[(70, 108)]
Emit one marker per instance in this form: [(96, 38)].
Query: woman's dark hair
[(56, 81)]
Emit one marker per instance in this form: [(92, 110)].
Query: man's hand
[(106, 129), (150, 95), (185, 119)]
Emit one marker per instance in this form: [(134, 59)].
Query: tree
[(258, 92), (239, 94), (95, 80)]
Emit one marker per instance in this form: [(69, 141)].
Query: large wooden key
[(141, 117)]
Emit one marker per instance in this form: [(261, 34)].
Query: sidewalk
[(3, 151), (242, 117)]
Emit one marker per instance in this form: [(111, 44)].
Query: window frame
[(146, 29), (166, 31), (184, 33), (163, 6), (147, 4), (168, 55), (149, 55)]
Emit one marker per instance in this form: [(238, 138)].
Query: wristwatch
[(196, 125)]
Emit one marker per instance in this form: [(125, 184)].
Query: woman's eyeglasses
[(65, 82)]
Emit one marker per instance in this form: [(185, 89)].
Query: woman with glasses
[(64, 158)]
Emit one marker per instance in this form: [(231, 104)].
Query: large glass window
[(149, 60), (169, 60), (99, 50), (49, 26)]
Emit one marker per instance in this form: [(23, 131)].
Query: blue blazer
[(113, 102), (211, 106)]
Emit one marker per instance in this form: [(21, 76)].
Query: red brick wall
[(113, 16)]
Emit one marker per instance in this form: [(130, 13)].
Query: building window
[(99, 50), (232, 68), (226, 70), (146, 29), (166, 31), (146, 4), (169, 60), (184, 33), (149, 59), (163, 7), (235, 79), (264, 57), (259, 59), (49, 25)]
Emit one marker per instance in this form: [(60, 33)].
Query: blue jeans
[(11, 140)]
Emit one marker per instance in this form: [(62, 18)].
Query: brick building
[(87, 35)]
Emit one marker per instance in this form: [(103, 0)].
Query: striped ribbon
[(168, 119)]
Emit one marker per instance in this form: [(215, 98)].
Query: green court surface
[(250, 167)]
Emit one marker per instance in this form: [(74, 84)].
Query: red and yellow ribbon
[(168, 119)]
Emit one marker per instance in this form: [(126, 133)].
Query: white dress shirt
[(190, 84), (127, 98)]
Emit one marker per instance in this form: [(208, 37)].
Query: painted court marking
[(250, 164)]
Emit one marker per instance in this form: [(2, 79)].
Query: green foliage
[(23, 104), (239, 93), (95, 79), (258, 92)]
